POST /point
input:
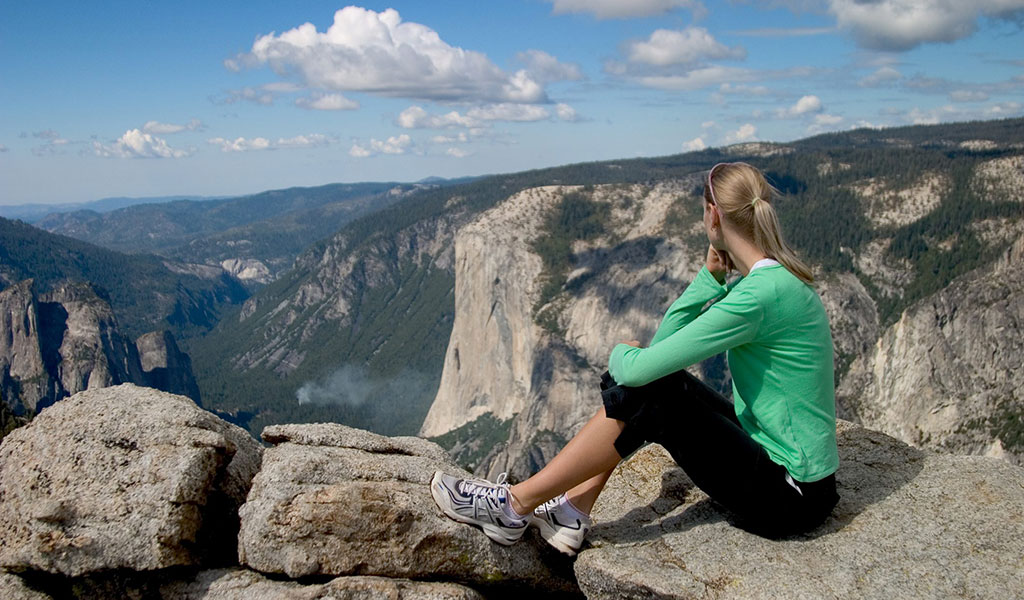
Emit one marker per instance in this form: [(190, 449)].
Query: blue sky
[(223, 98)]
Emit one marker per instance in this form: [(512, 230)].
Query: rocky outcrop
[(332, 500), (125, 492), (945, 375), (165, 366), (247, 269), (122, 478), (501, 360), (58, 343), (910, 524)]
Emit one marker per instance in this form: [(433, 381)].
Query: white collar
[(764, 262)]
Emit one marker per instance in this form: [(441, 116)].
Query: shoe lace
[(479, 487)]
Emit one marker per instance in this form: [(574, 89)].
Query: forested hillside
[(145, 291), (272, 227)]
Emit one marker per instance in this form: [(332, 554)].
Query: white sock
[(564, 504), (510, 512)]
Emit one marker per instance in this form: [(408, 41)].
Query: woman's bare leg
[(586, 462), (584, 495)]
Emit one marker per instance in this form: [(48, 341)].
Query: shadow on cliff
[(872, 467)]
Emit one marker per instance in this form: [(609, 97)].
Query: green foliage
[(472, 442), (575, 217)]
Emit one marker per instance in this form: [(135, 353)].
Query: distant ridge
[(30, 213)]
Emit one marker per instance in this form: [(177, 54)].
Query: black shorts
[(699, 429)]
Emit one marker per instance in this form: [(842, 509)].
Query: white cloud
[(303, 141), (746, 133), (377, 53), (462, 138), (158, 128), (880, 77), (898, 25), (949, 112), (624, 9), (826, 119), (136, 144), (680, 47), (52, 143), (545, 68), (393, 145), (416, 117), (240, 144), (566, 112), (786, 31), (805, 105), (508, 112), (327, 102), (456, 152), (47, 134), (695, 144)]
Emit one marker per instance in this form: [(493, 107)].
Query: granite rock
[(122, 478), (910, 524), (331, 500)]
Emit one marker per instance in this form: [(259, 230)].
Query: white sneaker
[(562, 525), (478, 502)]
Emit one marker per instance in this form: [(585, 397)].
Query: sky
[(148, 98)]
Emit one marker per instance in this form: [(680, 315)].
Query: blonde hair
[(744, 198)]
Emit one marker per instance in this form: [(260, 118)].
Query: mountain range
[(491, 304)]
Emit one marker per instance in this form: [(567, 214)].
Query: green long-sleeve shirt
[(779, 347)]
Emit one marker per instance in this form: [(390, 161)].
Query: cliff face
[(536, 367), (945, 375), (67, 340)]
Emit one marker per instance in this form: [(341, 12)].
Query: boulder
[(332, 500), (243, 584), (910, 524), (122, 478)]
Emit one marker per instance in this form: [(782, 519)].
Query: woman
[(769, 457)]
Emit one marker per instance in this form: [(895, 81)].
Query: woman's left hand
[(633, 343)]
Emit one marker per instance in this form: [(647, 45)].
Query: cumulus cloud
[(679, 60), (508, 112), (393, 145), (694, 145), (545, 68), (824, 122), (242, 144), (803, 106), (680, 47), (566, 112), (137, 144), (378, 53), (949, 112), (898, 25), (158, 128), (746, 133), (327, 102), (625, 9), (880, 77), (461, 138), (260, 95), (456, 152)]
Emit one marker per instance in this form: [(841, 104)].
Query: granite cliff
[(60, 342)]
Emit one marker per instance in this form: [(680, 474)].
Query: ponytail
[(768, 238), (744, 198)]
